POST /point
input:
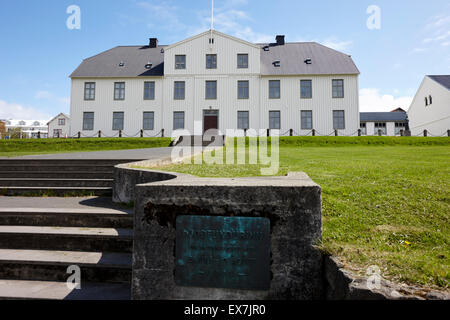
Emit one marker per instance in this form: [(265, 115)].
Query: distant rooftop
[(383, 116)]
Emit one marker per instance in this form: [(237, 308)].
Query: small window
[(338, 120), (242, 61), (380, 126), (179, 90), (307, 121), (274, 89), (89, 91), (243, 89), (36, 123), (88, 121), (211, 90), (180, 62), (22, 123), (211, 61), (363, 127), (119, 91), (243, 120), (274, 120), (306, 89), (399, 126), (178, 120), (426, 101), (62, 122), (118, 118), (338, 88), (149, 90), (430, 99), (149, 121)]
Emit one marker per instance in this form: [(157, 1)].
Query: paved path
[(91, 204), (136, 154)]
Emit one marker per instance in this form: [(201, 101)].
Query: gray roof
[(443, 80), (135, 58), (292, 58), (383, 116)]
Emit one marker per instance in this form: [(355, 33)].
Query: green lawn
[(13, 148), (386, 201)]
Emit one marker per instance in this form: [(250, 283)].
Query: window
[(149, 90), (243, 89), (119, 91), (179, 90), (339, 120), (88, 121), (274, 120), (274, 89), (306, 89), (22, 123), (89, 91), (242, 61), (430, 99), (399, 126), (211, 61), (380, 126), (307, 123), (62, 122), (118, 121), (243, 120), (338, 88), (178, 120), (363, 127), (180, 62), (149, 121), (426, 101), (211, 90)]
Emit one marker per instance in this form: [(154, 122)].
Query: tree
[(2, 129), (15, 133)]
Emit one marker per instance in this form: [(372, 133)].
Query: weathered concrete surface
[(342, 284), (292, 203)]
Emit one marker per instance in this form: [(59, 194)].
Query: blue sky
[(38, 52)]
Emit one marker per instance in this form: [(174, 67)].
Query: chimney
[(280, 40), (153, 42)]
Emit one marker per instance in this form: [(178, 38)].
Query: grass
[(386, 201), (14, 148)]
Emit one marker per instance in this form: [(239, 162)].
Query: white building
[(59, 126), (31, 129), (384, 123), (430, 109), (219, 81)]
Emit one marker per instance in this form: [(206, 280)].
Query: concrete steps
[(65, 218), (37, 245), (57, 177), (57, 238), (50, 290)]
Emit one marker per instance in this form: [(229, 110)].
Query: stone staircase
[(57, 177), (38, 245)]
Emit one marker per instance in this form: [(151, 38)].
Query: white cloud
[(20, 112), (46, 95), (371, 100), (437, 30)]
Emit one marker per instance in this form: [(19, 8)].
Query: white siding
[(65, 129), (104, 105), (436, 117)]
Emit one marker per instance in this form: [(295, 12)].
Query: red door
[(210, 122)]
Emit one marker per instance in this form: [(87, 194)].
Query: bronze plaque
[(223, 252)]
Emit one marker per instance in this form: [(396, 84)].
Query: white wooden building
[(430, 109), (390, 124), (59, 126), (30, 129), (219, 82)]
